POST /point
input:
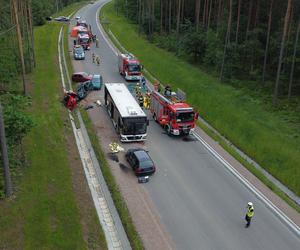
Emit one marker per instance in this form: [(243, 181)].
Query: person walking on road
[(98, 60), (93, 56), (97, 43), (249, 213)]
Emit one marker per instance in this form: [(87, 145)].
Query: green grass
[(261, 134), (44, 213), (119, 202)]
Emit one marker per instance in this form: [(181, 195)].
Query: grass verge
[(44, 213), (119, 202), (270, 140)]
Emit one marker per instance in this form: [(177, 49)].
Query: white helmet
[(250, 204)]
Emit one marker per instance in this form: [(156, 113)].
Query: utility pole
[(8, 186), (20, 43)]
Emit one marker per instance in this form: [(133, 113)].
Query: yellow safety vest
[(250, 212)]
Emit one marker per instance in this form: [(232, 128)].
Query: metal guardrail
[(107, 213)]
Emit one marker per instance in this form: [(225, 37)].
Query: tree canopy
[(242, 39)]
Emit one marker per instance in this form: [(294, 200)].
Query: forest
[(16, 37), (250, 43), (17, 60)]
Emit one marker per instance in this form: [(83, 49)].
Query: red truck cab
[(177, 117), (84, 40), (129, 67)]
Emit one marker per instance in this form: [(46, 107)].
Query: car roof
[(81, 73), (142, 155)]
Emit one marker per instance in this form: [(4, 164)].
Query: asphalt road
[(200, 203)]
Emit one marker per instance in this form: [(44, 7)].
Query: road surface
[(200, 203)]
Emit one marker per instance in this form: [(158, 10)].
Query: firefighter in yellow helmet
[(147, 100), (141, 100), (137, 89), (249, 213)]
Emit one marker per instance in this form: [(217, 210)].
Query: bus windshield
[(134, 126), (185, 117), (134, 68)]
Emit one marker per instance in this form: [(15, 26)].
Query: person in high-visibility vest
[(249, 213), (147, 100), (141, 100), (98, 60), (137, 89)]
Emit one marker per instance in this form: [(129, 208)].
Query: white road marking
[(251, 187), (103, 34)]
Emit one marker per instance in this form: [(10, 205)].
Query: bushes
[(17, 124)]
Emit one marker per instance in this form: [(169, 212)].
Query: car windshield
[(185, 116), (82, 32), (78, 50), (83, 40), (134, 68), (134, 126), (146, 164), (96, 79)]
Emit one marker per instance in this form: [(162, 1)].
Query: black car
[(140, 162)]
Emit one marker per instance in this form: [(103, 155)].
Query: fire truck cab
[(129, 67), (84, 40), (175, 116)]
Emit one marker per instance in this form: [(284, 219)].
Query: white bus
[(127, 116)]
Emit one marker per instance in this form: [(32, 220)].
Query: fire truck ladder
[(163, 98)]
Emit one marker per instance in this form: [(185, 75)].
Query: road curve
[(199, 201)]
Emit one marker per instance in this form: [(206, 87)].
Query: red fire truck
[(175, 115), (129, 67), (84, 40)]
